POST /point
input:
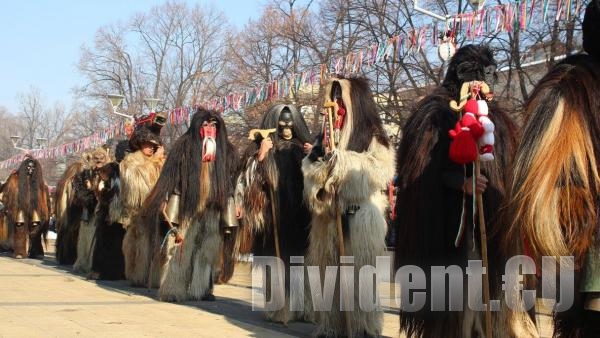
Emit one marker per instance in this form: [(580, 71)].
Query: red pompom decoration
[(463, 148)]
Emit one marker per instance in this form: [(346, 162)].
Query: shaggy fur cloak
[(357, 175), (555, 183), (186, 270), (5, 235), (29, 195), (138, 175), (107, 261), (279, 174), (68, 215), (430, 198)]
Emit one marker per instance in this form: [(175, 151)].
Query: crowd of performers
[(468, 185)]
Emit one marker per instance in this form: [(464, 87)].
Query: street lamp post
[(115, 101), (151, 103), (477, 5), (41, 142)]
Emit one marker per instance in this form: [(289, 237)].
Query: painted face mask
[(30, 167), (285, 125), (99, 160), (208, 133)]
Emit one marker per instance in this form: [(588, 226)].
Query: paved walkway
[(40, 299)]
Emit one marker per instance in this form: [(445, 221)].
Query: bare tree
[(173, 53)]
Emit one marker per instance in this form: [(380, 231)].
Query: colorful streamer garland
[(490, 20)]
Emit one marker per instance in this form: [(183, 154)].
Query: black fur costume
[(430, 196), (108, 262), (280, 174)]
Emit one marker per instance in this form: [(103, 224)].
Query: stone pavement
[(40, 299)]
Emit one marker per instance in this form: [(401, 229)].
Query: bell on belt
[(85, 215), (20, 217), (229, 217), (35, 217), (172, 209)]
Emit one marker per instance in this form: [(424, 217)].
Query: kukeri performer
[(27, 205), (4, 234), (68, 211), (273, 182), (554, 209), (184, 214), (138, 172), (107, 260), (85, 185), (435, 224), (344, 185)]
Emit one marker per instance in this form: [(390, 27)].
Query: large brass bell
[(20, 217), (35, 217)]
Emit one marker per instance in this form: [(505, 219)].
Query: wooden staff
[(276, 237), (331, 106), (486, 281)]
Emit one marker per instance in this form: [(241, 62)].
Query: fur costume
[(68, 215), (554, 209), (280, 174), (199, 174), (85, 186), (138, 175), (5, 235), (27, 199), (358, 172), (107, 261), (430, 198)]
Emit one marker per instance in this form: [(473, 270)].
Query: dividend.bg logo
[(410, 283)]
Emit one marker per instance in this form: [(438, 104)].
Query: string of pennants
[(177, 116), (487, 21), (472, 25)]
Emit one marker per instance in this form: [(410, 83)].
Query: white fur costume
[(359, 180)]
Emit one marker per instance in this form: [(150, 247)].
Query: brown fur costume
[(280, 174), (138, 175), (72, 197), (26, 199), (555, 187), (5, 236), (358, 173), (67, 216), (185, 269)]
